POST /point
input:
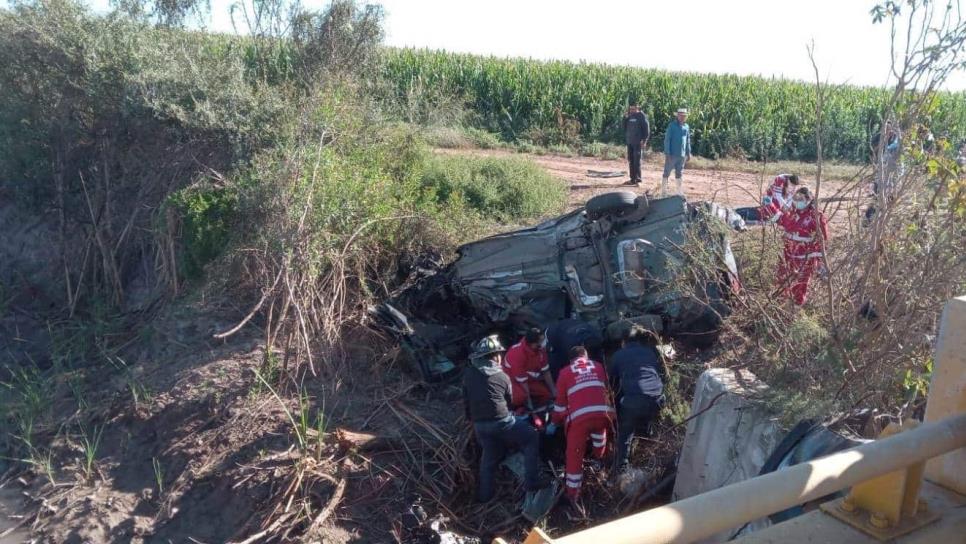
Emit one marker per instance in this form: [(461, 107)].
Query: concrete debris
[(731, 440)]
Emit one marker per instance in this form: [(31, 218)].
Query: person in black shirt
[(637, 131), (487, 395), (636, 377)]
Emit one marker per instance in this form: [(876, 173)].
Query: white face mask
[(800, 204)]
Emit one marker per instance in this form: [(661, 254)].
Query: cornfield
[(731, 115)]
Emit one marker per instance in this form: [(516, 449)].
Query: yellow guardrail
[(885, 474), (731, 506)]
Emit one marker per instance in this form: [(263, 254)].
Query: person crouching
[(583, 407), (487, 394)]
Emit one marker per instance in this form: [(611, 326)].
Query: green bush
[(563, 150), (593, 149), (207, 215), (447, 138), (104, 117), (483, 139), (501, 189), (461, 138)]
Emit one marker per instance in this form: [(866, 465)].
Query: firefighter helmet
[(486, 346)]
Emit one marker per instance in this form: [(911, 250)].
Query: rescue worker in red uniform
[(584, 408), (806, 233), (776, 197), (780, 194), (528, 367)]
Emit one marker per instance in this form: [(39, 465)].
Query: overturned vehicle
[(621, 260)]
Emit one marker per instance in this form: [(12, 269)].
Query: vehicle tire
[(611, 204), (703, 332)]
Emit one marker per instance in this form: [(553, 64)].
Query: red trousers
[(794, 275), (539, 394), (593, 427)]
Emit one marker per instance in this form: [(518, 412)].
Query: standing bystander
[(637, 131), (677, 149)]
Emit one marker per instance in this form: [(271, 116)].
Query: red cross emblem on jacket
[(583, 407)]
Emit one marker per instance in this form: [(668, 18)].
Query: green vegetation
[(185, 145), (158, 475), (89, 444), (460, 137), (188, 187), (501, 189), (206, 215), (25, 396), (559, 102)]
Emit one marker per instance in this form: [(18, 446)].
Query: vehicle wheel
[(611, 203), (703, 332)]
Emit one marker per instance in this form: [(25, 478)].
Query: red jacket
[(525, 365), (804, 236), (581, 392), (778, 191)]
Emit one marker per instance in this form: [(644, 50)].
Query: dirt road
[(733, 189)]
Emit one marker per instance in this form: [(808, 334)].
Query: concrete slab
[(947, 392), (731, 441)]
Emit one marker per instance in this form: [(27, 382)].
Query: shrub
[(501, 189), (104, 117), (447, 138), (563, 150), (483, 139), (207, 215)]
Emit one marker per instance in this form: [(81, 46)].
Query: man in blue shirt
[(677, 149), (636, 377)]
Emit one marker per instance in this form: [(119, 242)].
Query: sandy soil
[(10, 533)]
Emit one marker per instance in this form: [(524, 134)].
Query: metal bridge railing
[(885, 475)]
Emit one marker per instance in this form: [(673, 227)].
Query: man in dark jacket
[(637, 131), (566, 334), (487, 394), (636, 377)]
